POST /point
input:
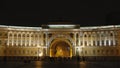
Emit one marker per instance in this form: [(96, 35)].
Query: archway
[(60, 48)]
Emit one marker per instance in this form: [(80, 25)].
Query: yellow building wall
[(100, 51), (2, 49), (22, 51), (118, 37)]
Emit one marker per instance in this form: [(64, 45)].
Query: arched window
[(27, 35), (19, 39), (10, 34), (111, 34), (23, 35), (15, 38), (10, 39), (85, 35), (89, 35), (111, 38)]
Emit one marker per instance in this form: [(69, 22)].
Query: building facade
[(59, 41)]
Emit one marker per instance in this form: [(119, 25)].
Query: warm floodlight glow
[(41, 54), (61, 26)]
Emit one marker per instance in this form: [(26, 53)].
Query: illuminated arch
[(56, 41), (60, 36)]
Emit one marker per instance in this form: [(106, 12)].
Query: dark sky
[(84, 12)]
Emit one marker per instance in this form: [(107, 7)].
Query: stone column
[(33, 39), (21, 40), (96, 38), (100, 39), (75, 42), (79, 39), (109, 39), (83, 40), (40, 38), (87, 39), (105, 39), (37, 39), (42, 43), (114, 39), (46, 41), (25, 39), (8, 39), (30, 39), (91, 39), (17, 39), (12, 38)]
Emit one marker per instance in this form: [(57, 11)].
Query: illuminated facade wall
[(38, 41)]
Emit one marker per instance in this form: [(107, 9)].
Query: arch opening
[(60, 48)]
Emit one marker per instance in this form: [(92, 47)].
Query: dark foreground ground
[(59, 64)]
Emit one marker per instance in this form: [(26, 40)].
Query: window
[(85, 52), (0, 34), (111, 34), (31, 52), (14, 51), (85, 43), (102, 42), (116, 42), (111, 42), (98, 51), (85, 35), (111, 51), (81, 43), (93, 51), (93, 43), (5, 42), (5, 34), (117, 52), (23, 51), (107, 52), (0, 42), (35, 52), (107, 43), (98, 43)]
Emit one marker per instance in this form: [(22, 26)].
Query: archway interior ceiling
[(61, 49)]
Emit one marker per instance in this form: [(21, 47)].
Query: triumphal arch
[(60, 40)]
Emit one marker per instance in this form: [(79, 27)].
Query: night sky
[(35, 13)]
